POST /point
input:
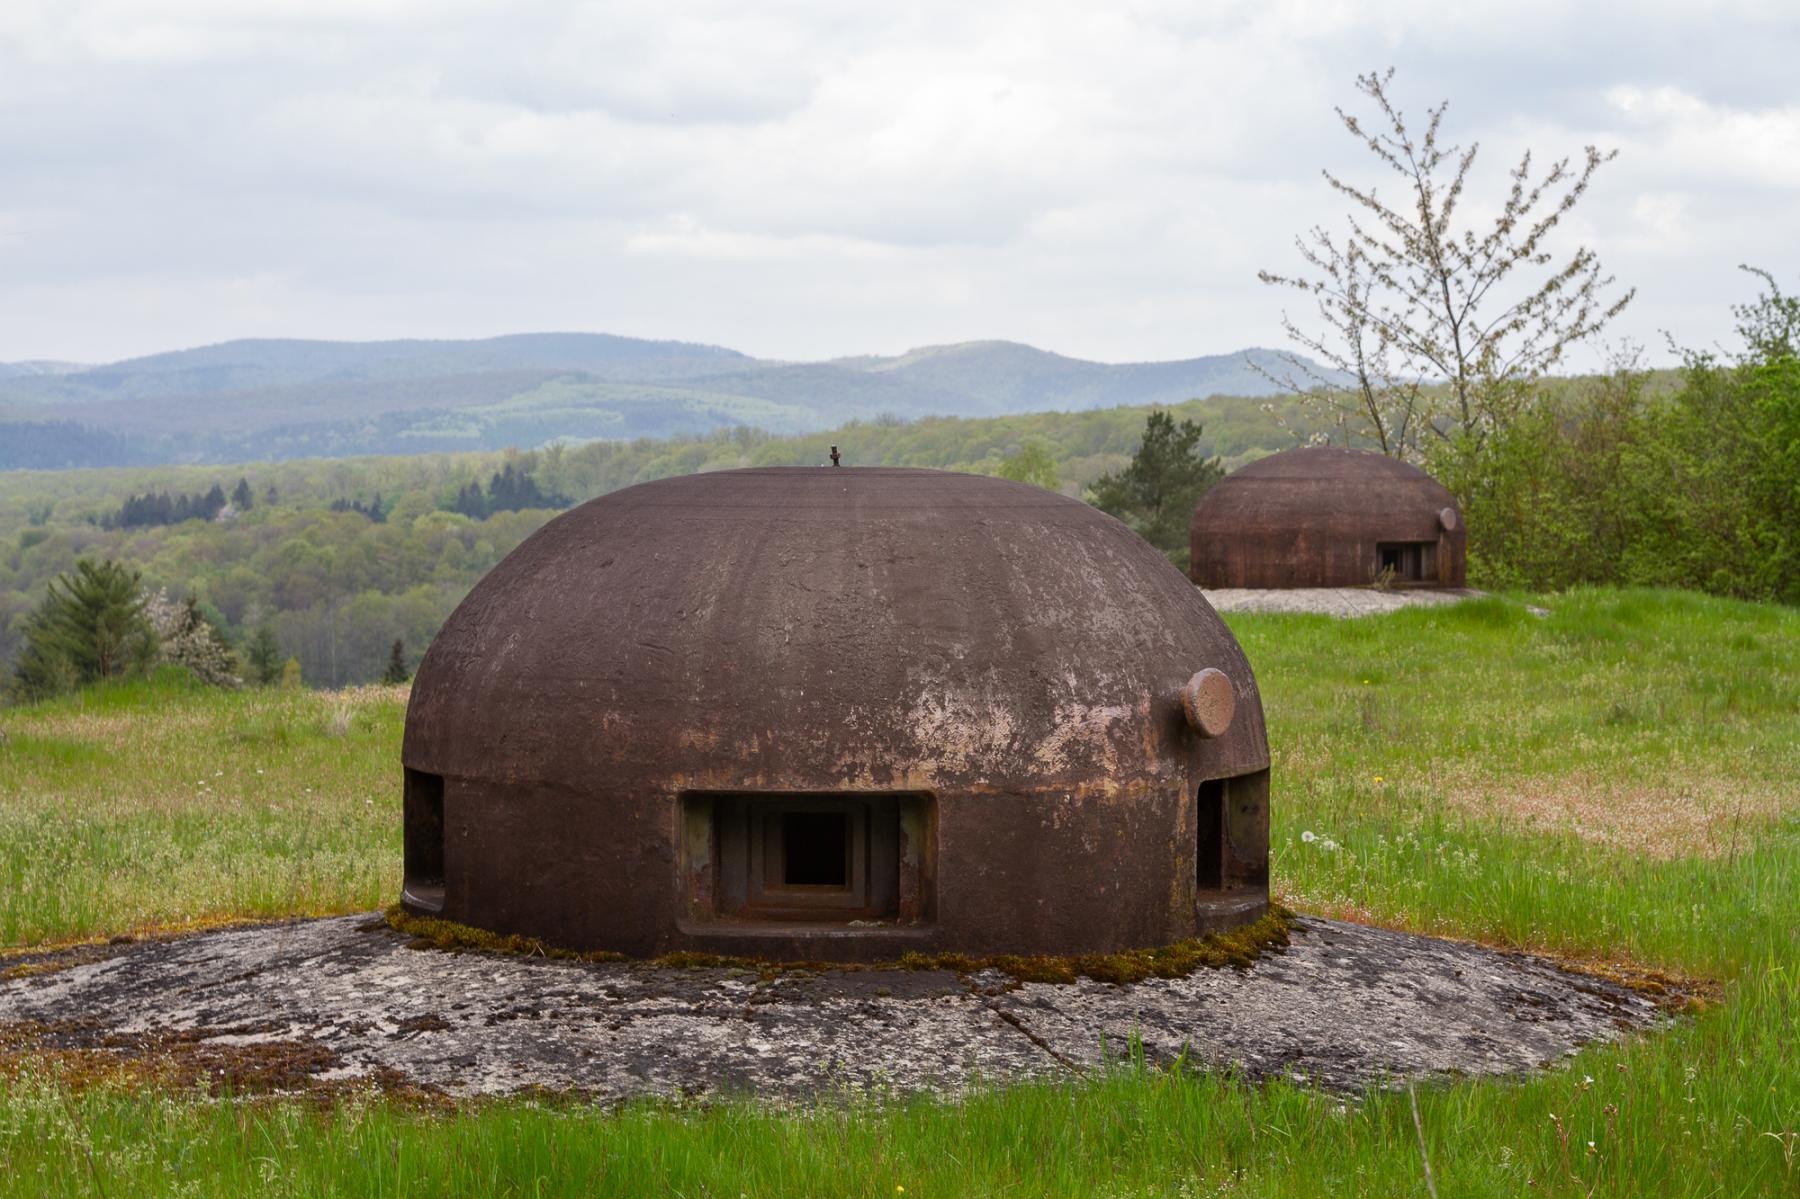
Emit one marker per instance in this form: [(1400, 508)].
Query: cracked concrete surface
[(1343, 1006), (1337, 601)]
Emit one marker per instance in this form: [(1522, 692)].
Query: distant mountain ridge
[(274, 399), (42, 366)]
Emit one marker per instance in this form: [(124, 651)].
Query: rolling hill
[(280, 399)]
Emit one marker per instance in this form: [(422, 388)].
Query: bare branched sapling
[(1430, 329)]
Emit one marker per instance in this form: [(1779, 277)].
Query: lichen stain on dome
[(1081, 737)]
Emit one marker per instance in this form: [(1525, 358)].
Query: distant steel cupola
[(1321, 516)]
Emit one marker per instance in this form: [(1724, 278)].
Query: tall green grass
[(158, 803), (1402, 746), (1690, 701)]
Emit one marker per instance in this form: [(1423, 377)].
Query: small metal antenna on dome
[(834, 457)]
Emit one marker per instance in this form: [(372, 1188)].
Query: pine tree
[(90, 627), (1155, 494), (264, 656), (240, 495), (471, 502), (396, 671)]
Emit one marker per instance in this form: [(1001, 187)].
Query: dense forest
[(339, 558), (64, 445)]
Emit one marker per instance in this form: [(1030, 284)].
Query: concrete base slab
[(1334, 601), (1343, 1006)]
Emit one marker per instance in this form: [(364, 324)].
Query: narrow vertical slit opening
[(1209, 836), (423, 889)]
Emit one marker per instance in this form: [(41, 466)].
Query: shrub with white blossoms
[(186, 638)]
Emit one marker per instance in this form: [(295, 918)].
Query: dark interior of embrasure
[(832, 857), (423, 813)]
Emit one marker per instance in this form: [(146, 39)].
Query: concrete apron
[(1342, 602), (1342, 1007)]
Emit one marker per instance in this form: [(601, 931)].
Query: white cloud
[(1716, 144), (1662, 214), (809, 178), (680, 236)]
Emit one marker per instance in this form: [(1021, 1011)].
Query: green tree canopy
[(263, 656), (1155, 494), (1031, 463), (1609, 481)]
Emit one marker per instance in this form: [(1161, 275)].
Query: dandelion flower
[(1379, 779)]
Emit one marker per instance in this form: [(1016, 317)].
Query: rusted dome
[(836, 713), (1321, 516)]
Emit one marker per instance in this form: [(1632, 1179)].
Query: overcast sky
[(806, 179)]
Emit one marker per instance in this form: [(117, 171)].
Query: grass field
[(1613, 782)]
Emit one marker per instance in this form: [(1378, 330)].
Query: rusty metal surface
[(1209, 701), (1313, 517), (1013, 655)]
